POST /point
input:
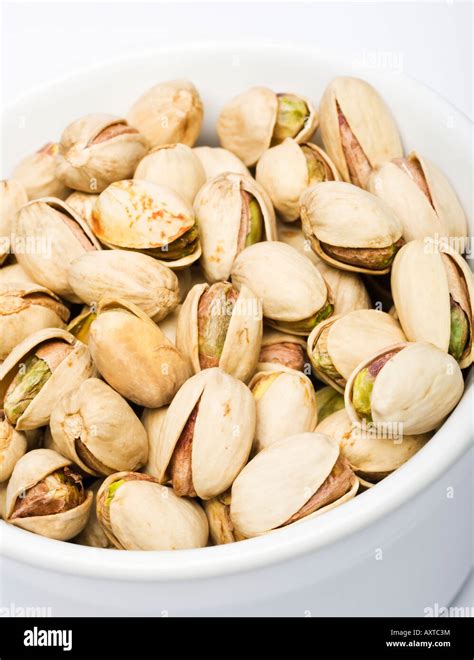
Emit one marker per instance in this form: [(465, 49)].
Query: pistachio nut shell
[(24, 309), (169, 112), (218, 209), (413, 392), (152, 420), (285, 402), (328, 400), (13, 445), (96, 150), (14, 273), (223, 431), (37, 173), (221, 528), (168, 325), (421, 293), (216, 160), (3, 497), (134, 356), (175, 166), (83, 204), (80, 325), (144, 515), (93, 535), (68, 375), (290, 351), (368, 117), (30, 469), (97, 429), (12, 198)]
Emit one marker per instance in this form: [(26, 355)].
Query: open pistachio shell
[(232, 211), (207, 434), (328, 401), (24, 309), (152, 420), (42, 380), (12, 198), (140, 215), (68, 498), (285, 402), (219, 326), (3, 498), (338, 215), (134, 356), (421, 196), (433, 292), (169, 112), (93, 535), (282, 349), (336, 346), (287, 169), (37, 173), (138, 513), (49, 236), (97, 429), (411, 393), (83, 204), (357, 129), (97, 150), (81, 324), (13, 445), (216, 160), (293, 292), (221, 528), (175, 166), (276, 486)]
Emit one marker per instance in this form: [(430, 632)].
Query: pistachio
[(37, 173), (13, 445), (328, 401), (152, 420), (83, 204), (12, 198), (216, 161), (93, 535), (292, 115), (80, 326), (282, 349), (221, 527), (14, 273)]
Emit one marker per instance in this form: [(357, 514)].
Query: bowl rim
[(450, 442)]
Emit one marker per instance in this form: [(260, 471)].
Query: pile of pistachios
[(199, 344)]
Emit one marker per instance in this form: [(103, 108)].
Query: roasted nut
[(221, 527), (37, 174), (12, 198), (93, 535), (281, 349), (13, 445), (328, 401), (83, 204), (216, 161), (152, 420), (80, 326)]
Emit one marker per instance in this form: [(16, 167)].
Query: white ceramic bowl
[(395, 550)]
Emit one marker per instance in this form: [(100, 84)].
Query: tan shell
[(343, 215), (24, 309), (3, 497), (30, 469), (175, 166), (218, 209), (216, 160), (272, 336), (67, 376), (223, 431), (96, 422), (12, 198), (93, 535), (144, 515), (245, 124), (242, 344), (131, 276), (79, 326), (221, 528), (89, 166), (283, 172), (413, 392), (328, 400), (37, 173), (290, 285), (152, 419), (13, 445), (14, 273), (279, 480), (83, 204), (45, 245), (444, 217), (422, 295), (352, 338), (134, 356), (169, 325), (368, 117), (285, 402)]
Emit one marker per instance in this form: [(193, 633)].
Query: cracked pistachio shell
[(414, 391), (221, 528), (12, 198), (290, 286), (216, 160), (285, 402), (83, 204), (131, 276), (14, 273), (93, 535), (350, 339), (328, 401), (343, 215), (138, 513), (37, 173), (134, 356), (97, 150), (218, 208), (68, 374), (140, 215), (169, 112), (223, 431), (152, 420), (421, 292), (95, 428), (30, 469), (368, 117), (49, 236), (168, 325), (282, 349), (279, 481), (175, 166), (13, 445), (26, 308), (245, 125), (3, 498), (421, 216), (242, 341), (80, 325), (370, 455), (283, 172)]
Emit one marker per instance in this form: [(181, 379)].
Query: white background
[(431, 42)]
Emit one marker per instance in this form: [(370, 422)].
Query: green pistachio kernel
[(292, 115), (459, 331), (362, 392), (26, 385), (112, 489)]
